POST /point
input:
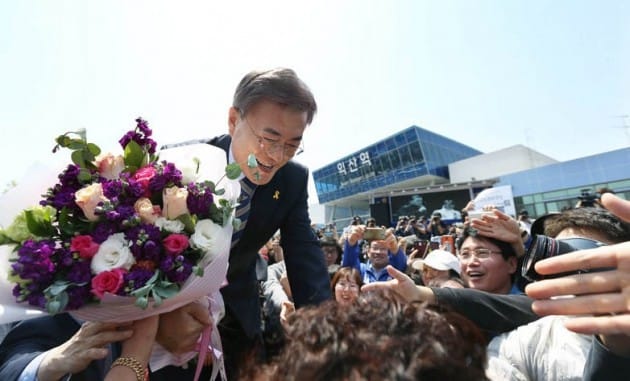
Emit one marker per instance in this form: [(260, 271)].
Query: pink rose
[(84, 245), (108, 281), (143, 176), (110, 166), (88, 199), (175, 243), (174, 200), (148, 212)]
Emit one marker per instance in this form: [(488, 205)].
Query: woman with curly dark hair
[(378, 338)]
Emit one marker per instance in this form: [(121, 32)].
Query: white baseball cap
[(439, 260)]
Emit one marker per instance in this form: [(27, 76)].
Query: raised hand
[(502, 227), (88, 344), (604, 295)]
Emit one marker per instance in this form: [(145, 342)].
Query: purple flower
[(78, 296), (137, 277), (199, 200), (180, 273)]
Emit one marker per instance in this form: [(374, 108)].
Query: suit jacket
[(32, 337), (280, 204)]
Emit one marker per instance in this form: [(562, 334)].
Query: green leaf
[(142, 302), (251, 161), (189, 224), (84, 176), (38, 224), (157, 300), (232, 171), (94, 149), (134, 154), (166, 290), (57, 288), (198, 270), (57, 303), (78, 159)]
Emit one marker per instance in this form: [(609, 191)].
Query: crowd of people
[(492, 298)]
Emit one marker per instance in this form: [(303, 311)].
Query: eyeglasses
[(348, 285), (272, 146), (480, 253)]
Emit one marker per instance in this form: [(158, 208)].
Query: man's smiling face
[(270, 131)]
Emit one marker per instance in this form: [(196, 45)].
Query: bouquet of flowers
[(123, 237)]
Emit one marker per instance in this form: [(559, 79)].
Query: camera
[(543, 247), (374, 234), (587, 199)]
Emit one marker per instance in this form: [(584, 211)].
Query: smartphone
[(479, 213), (374, 234)]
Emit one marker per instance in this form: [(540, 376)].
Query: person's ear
[(234, 117)]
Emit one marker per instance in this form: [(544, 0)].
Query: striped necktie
[(242, 210)]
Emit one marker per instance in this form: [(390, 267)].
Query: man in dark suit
[(269, 114)]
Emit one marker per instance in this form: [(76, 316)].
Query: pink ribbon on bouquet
[(211, 341)]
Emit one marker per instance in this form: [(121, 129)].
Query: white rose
[(171, 226), (189, 173), (208, 237), (112, 254)]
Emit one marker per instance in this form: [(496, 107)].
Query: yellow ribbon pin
[(276, 195)]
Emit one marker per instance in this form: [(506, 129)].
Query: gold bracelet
[(130, 362)]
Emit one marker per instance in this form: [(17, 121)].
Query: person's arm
[(272, 288), (604, 365), (351, 252), (491, 312), (304, 259), (136, 351)]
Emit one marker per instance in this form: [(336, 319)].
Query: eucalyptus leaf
[(142, 302), (232, 171), (57, 288)]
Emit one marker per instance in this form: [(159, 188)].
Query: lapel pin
[(276, 195)]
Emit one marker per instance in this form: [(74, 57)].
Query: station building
[(417, 172)]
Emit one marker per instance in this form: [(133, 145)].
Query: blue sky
[(552, 75)]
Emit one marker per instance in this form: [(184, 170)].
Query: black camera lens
[(542, 247)]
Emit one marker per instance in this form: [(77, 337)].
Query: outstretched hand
[(402, 286), (605, 294)]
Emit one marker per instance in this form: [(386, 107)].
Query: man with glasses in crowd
[(487, 264), (381, 252), (269, 114)]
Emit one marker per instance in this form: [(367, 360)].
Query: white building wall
[(494, 164)]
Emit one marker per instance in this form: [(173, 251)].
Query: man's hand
[(88, 344), (179, 330), (391, 241), (604, 295), (402, 286), (502, 227), (355, 234)]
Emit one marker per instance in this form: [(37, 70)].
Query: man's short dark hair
[(597, 219), (278, 85)]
